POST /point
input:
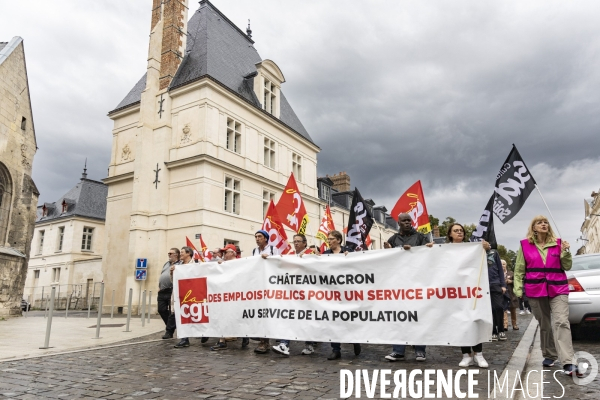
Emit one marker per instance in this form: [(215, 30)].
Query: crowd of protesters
[(537, 284)]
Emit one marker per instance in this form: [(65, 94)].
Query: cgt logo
[(193, 306)]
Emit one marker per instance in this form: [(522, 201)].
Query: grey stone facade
[(18, 193)]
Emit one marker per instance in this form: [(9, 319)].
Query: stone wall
[(17, 148)]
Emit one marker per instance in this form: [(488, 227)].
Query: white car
[(584, 292)]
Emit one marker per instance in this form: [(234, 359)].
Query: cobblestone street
[(157, 370)]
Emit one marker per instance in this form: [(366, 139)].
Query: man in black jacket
[(165, 289), (406, 238)]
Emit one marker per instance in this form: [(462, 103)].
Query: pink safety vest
[(543, 280)]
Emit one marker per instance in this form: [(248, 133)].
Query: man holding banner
[(406, 237)]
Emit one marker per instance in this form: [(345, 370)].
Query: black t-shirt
[(414, 238), (344, 249)]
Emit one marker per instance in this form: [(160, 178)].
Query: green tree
[(433, 221), (509, 256)]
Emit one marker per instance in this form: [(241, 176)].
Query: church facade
[(18, 193), (201, 145)]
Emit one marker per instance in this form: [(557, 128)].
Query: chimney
[(341, 181), (174, 16), (436, 231)]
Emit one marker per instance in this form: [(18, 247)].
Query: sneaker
[(527, 312), (167, 335), (308, 350), (515, 328), (335, 355), (548, 362), (420, 356), (480, 361), (219, 346), (502, 336), (245, 342), (571, 370), (282, 349), (395, 357), (263, 347), (230, 339), (466, 361), (203, 339), (522, 312), (508, 312), (357, 349), (185, 342), (494, 338)]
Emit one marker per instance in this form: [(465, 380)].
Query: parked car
[(584, 292), (25, 306)]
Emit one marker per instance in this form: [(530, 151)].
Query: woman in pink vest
[(540, 271)]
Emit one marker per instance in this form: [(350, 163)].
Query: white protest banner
[(423, 296)]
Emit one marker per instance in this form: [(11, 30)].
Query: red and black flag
[(360, 222)]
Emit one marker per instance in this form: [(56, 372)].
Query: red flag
[(291, 207), (277, 235), (326, 225), (197, 255), (412, 202), (205, 252)]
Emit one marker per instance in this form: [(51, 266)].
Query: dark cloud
[(391, 92)]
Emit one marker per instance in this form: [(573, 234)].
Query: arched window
[(5, 200)]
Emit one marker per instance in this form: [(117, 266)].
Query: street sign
[(141, 274), (141, 263), (197, 236)]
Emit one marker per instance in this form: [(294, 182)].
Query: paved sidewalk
[(23, 337), (157, 370), (557, 384)]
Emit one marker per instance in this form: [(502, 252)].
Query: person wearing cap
[(229, 253), (263, 250), (283, 347)]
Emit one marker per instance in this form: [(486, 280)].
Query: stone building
[(68, 241), (590, 228), (201, 144), (18, 193)]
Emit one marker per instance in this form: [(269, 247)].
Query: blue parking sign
[(141, 263), (141, 274)]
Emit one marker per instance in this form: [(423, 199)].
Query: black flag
[(514, 184), (485, 227), (360, 222)]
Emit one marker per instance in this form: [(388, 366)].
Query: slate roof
[(86, 199), (218, 49), (2, 44)]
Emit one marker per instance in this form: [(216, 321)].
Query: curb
[(516, 364), (79, 350)]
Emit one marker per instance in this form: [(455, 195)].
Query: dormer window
[(44, 211), (270, 99), (65, 206), (267, 85)]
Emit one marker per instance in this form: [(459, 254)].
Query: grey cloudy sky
[(391, 91)]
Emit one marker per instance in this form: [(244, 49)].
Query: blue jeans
[(400, 348)]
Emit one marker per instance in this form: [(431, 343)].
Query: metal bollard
[(129, 310), (28, 305), (89, 306), (49, 324), (149, 305), (68, 298), (99, 320), (46, 312), (112, 304), (143, 309)]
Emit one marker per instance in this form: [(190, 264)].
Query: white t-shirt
[(268, 250)]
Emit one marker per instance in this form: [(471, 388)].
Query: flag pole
[(548, 208)]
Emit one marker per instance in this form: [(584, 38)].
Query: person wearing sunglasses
[(165, 291)]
